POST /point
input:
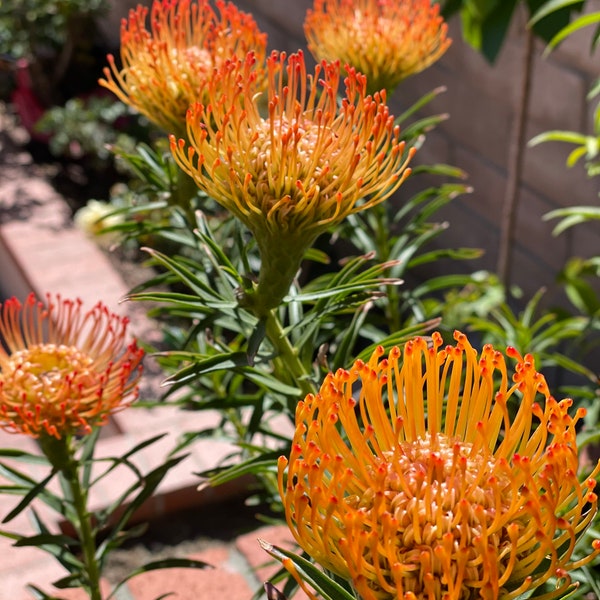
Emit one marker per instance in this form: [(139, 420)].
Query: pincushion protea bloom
[(443, 480), (300, 169), (62, 370), (387, 40), (165, 69)]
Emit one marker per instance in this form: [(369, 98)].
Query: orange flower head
[(302, 167), (62, 370), (387, 40), (430, 474), (166, 68)]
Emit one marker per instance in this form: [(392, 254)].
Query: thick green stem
[(382, 244), (288, 365), (62, 456), (279, 265)]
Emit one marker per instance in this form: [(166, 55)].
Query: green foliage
[(326, 585), (79, 550), (91, 128), (485, 23), (551, 7), (535, 330), (57, 42), (349, 297), (586, 146), (29, 26)]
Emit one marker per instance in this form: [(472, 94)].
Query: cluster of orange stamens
[(63, 370), (165, 68), (443, 480), (387, 40)]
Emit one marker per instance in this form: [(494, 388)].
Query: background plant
[(55, 37)]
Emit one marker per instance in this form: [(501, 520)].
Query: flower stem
[(382, 244), (61, 454), (288, 366), (85, 530)]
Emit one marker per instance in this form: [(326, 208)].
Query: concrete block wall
[(481, 101)]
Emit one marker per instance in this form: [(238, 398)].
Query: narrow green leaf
[(419, 104), (26, 457), (29, 497), (75, 580), (265, 463), (256, 339), (27, 482), (549, 7), (116, 461), (344, 350), (360, 286), (39, 594), (309, 573), (414, 134), (579, 23), (441, 170), (87, 454), (318, 256), (151, 481), (575, 155), (200, 287), (264, 380), (205, 365), (59, 551), (218, 257), (558, 135), (47, 539)]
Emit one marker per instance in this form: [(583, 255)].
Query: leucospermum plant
[(443, 479), (64, 371), (432, 473), (298, 171)]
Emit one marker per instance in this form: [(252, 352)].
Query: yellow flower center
[(286, 167), (43, 373), (431, 498)]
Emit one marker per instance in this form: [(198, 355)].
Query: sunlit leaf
[(327, 588)]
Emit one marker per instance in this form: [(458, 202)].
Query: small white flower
[(95, 217)]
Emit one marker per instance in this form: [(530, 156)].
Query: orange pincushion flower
[(63, 371), (166, 68), (387, 40), (302, 168), (428, 487)]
